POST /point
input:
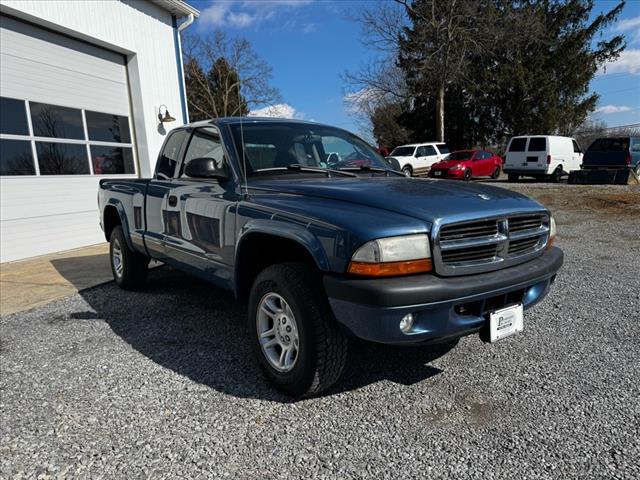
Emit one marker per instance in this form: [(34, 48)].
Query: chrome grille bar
[(489, 244)]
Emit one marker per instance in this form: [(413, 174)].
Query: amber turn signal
[(390, 269)]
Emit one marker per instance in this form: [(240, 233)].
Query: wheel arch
[(266, 242), (112, 216)]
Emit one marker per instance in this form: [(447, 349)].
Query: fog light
[(406, 324)]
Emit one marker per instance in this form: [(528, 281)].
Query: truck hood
[(424, 199)]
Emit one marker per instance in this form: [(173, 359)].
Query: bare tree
[(379, 83), (225, 77)]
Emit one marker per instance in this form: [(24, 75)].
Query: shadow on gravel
[(198, 330)]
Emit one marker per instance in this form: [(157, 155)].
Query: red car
[(465, 164)]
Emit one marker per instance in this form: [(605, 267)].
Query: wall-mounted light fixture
[(166, 116)]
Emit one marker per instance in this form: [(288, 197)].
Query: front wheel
[(467, 175), (129, 268), (407, 170), (292, 330), (556, 176)]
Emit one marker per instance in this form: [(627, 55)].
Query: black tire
[(322, 350), (556, 176), (512, 177), (407, 170), (496, 173), (467, 175), (135, 266)]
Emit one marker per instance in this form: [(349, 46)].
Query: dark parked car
[(466, 164), (311, 227), (613, 152)]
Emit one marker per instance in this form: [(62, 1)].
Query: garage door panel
[(42, 196), (24, 79), (28, 41)]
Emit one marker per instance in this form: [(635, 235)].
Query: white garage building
[(81, 85)]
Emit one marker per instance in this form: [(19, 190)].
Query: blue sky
[(310, 44)]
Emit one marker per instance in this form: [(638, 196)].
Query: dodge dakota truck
[(324, 240)]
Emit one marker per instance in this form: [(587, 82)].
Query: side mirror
[(206, 168)]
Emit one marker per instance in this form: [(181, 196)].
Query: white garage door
[(65, 123)]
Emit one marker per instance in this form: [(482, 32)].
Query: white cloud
[(629, 26), (627, 62), (280, 110), (242, 14), (609, 109)]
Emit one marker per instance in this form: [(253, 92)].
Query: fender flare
[(117, 204), (290, 231)]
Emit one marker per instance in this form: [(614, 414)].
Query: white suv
[(417, 158)]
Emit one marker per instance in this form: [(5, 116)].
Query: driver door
[(203, 237)]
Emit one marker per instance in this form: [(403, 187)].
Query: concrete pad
[(26, 284)]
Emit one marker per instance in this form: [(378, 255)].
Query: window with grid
[(42, 139)]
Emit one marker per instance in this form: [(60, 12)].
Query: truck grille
[(489, 244)]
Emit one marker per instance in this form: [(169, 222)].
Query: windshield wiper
[(298, 167), (368, 168)]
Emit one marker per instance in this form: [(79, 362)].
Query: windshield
[(610, 145), (403, 152), (276, 145), (460, 156)]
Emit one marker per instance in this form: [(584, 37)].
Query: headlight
[(552, 232), (458, 167), (392, 256)]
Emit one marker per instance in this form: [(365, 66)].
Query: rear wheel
[(293, 332), (512, 177), (129, 268), (467, 175), (496, 173), (407, 170), (638, 171)]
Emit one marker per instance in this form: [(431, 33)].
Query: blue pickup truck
[(324, 240)]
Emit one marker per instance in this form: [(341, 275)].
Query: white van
[(541, 156), (416, 159)]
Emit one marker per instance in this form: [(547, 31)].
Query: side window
[(205, 143), (537, 144), (166, 166), (518, 144), (576, 148), (635, 145), (428, 151), (486, 155), (420, 152)]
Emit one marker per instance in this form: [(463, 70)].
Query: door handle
[(173, 200)]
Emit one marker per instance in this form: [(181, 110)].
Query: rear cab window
[(537, 144), (168, 159), (518, 144), (617, 144)]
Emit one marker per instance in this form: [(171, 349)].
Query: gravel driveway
[(161, 383)]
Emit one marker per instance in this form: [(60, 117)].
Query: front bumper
[(446, 173), (443, 307)]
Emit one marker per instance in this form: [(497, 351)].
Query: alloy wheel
[(277, 332)]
